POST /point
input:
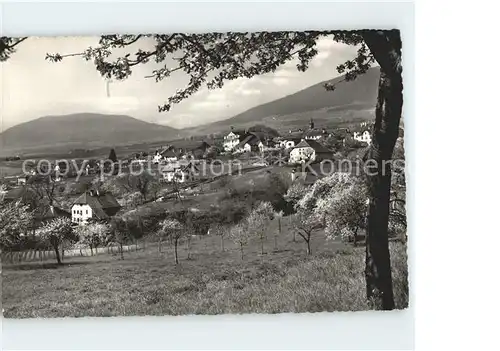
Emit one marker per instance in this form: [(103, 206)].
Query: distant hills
[(350, 102), (83, 130)]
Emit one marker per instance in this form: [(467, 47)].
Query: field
[(210, 281)]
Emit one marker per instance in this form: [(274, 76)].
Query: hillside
[(83, 129), (351, 101)]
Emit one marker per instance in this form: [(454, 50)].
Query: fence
[(43, 255)]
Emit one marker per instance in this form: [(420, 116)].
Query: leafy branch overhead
[(8, 46), (212, 59)]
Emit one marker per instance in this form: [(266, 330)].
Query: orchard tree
[(212, 59), (305, 224), (15, 222), (344, 207), (278, 215), (258, 221), (173, 229), (220, 230), (240, 235), (118, 234), (93, 235), (56, 232)]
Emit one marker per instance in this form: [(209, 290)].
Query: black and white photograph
[(203, 173)]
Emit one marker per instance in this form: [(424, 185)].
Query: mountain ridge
[(80, 129), (350, 102), (358, 95)]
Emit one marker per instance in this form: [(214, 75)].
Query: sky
[(32, 87)]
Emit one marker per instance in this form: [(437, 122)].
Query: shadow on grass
[(32, 266)]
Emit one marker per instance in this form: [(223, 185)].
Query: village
[(181, 172), (239, 195), (186, 162)]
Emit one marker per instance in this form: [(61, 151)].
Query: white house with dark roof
[(364, 137), (95, 205), (232, 139), (309, 150), (179, 172)]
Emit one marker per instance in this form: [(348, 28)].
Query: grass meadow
[(210, 281)]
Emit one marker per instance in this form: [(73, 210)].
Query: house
[(179, 172), (95, 205), (315, 134), (249, 143), (309, 150), (266, 145), (364, 137), (165, 155), (232, 139), (288, 143)]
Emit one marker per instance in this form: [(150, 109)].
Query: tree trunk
[(355, 237), (176, 241), (91, 252), (159, 245), (386, 48), (121, 251), (309, 252), (58, 257), (189, 247)]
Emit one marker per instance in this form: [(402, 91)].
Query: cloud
[(328, 44), (245, 86), (75, 86), (248, 92), (320, 59), (280, 81)]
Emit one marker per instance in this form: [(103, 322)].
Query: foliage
[(15, 221), (240, 235), (258, 220), (143, 183), (119, 233), (173, 229), (271, 132), (93, 234), (295, 193), (340, 200), (211, 59), (305, 224), (8, 45), (57, 231)]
